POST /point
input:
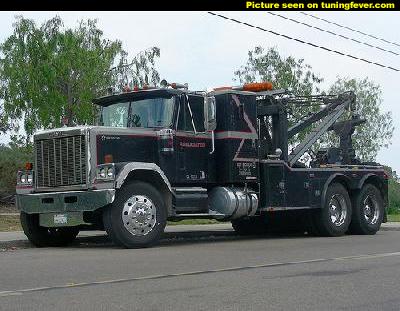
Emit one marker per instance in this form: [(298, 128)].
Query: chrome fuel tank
[(233, 202)]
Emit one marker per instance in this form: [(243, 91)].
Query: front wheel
[(333, 219), (137, 217), (43, 236), (368, 211)]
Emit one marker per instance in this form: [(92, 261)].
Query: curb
[(13, 245), (168, 237), (390, 227), (209, 231)]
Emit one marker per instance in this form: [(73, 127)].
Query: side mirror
[(210, 113)]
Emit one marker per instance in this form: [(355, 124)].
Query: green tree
[(50, 72), (138, 72), (284, 72), (12, 158), (393, 191), (298, 77)]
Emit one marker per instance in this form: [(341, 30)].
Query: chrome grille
[(61, 161)]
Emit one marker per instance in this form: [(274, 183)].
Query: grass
[(8, 208), (394, 217), (10, 223), (193, 222)]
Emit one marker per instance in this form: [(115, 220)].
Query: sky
[(204, 50)]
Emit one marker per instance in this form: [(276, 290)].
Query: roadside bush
[(12, 158), (394, 197)]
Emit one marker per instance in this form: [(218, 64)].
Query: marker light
[(222, 88), (257, 87), (28, 166), (108, 158), (250, 87), (164, 84)]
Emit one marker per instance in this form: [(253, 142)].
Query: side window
[(184, 119), (197, 105)]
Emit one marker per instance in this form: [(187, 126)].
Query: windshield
[(149, 112)]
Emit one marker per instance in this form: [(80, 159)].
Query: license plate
[(60, 219)]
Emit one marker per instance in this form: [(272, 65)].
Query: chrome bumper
[(69, 201)]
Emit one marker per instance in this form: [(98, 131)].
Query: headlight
[(102, 173), (110, 172), (23, 178), (105, 172)]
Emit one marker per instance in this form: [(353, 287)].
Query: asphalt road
[(209, 271)]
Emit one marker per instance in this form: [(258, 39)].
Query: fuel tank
[(232, 202)]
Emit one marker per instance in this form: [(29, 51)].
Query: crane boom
[(316, 133)]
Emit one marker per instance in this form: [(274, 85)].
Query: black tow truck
[(167, 153)]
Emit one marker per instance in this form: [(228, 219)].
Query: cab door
[(192, 142)]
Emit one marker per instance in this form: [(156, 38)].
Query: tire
[(137, 217), (368, 211), (249, 226), (333, 219), (43, 236)]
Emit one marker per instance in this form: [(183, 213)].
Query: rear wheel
[(43, 236), (137, 217), (333, 219), (368, 211)]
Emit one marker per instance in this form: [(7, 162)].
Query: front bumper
[(69, 201)]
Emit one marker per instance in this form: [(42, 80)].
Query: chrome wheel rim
[(371, 210), (337, 210), (139, 215)]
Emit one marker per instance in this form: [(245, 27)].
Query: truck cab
[(159, 154)]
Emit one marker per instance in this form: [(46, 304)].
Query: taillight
[(166, 140)]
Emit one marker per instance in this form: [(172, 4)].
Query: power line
[(351, 29), (333, 33), (305, 42)]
